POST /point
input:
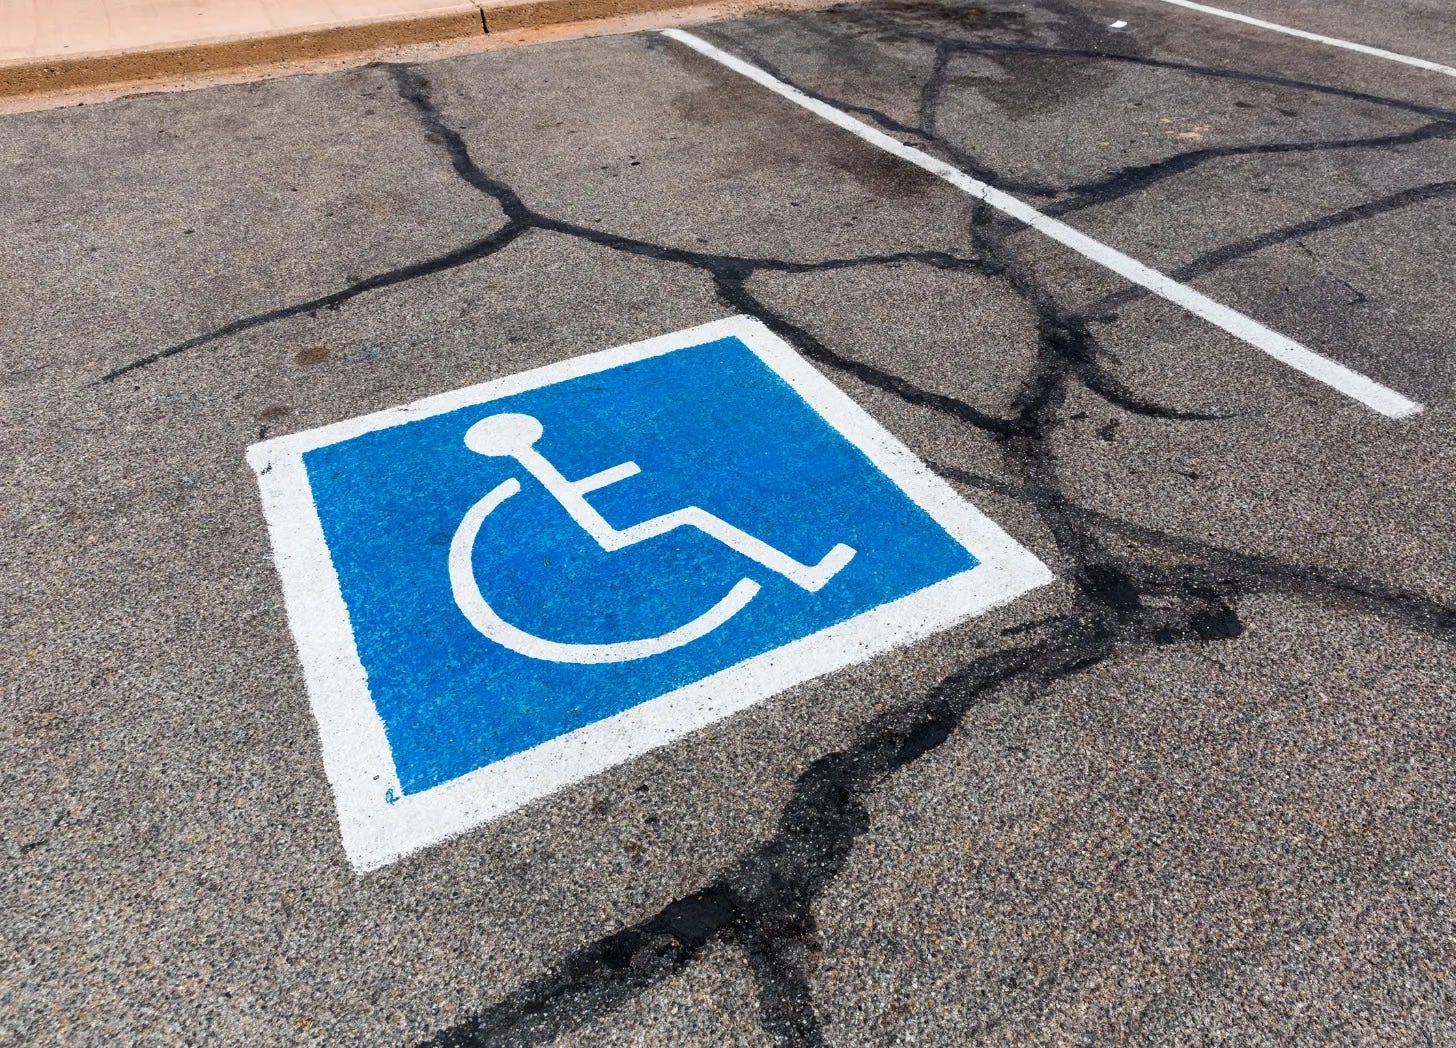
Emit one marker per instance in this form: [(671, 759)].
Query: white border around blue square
[(356, 752)]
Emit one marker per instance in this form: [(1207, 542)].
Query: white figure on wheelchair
[(514, 436)]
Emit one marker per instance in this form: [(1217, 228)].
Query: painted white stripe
[(1372, 394), (1319, 38)]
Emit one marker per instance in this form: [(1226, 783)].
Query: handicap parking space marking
[(502, 590)]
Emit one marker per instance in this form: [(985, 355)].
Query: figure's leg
[(811, 577)]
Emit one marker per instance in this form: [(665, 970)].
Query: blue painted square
[(710, 426)]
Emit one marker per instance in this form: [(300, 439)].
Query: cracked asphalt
[(1198, 791)]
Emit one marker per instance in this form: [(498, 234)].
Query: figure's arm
[(605, 477)]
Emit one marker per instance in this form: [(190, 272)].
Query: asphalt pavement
[(1198, 790)]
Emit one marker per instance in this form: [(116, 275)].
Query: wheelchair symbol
[(514, 436)]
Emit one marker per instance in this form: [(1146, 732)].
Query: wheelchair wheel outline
[(485, 619)]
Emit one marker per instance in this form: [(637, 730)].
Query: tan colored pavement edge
[(51, 74)]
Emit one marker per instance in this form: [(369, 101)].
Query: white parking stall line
[(1319, 38), (1351, 383)]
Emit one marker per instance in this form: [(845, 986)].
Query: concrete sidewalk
[(60, 45)]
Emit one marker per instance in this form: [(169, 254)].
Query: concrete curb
[(503, 16), (98, 70)]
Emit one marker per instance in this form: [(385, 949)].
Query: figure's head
[(506, 435)]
